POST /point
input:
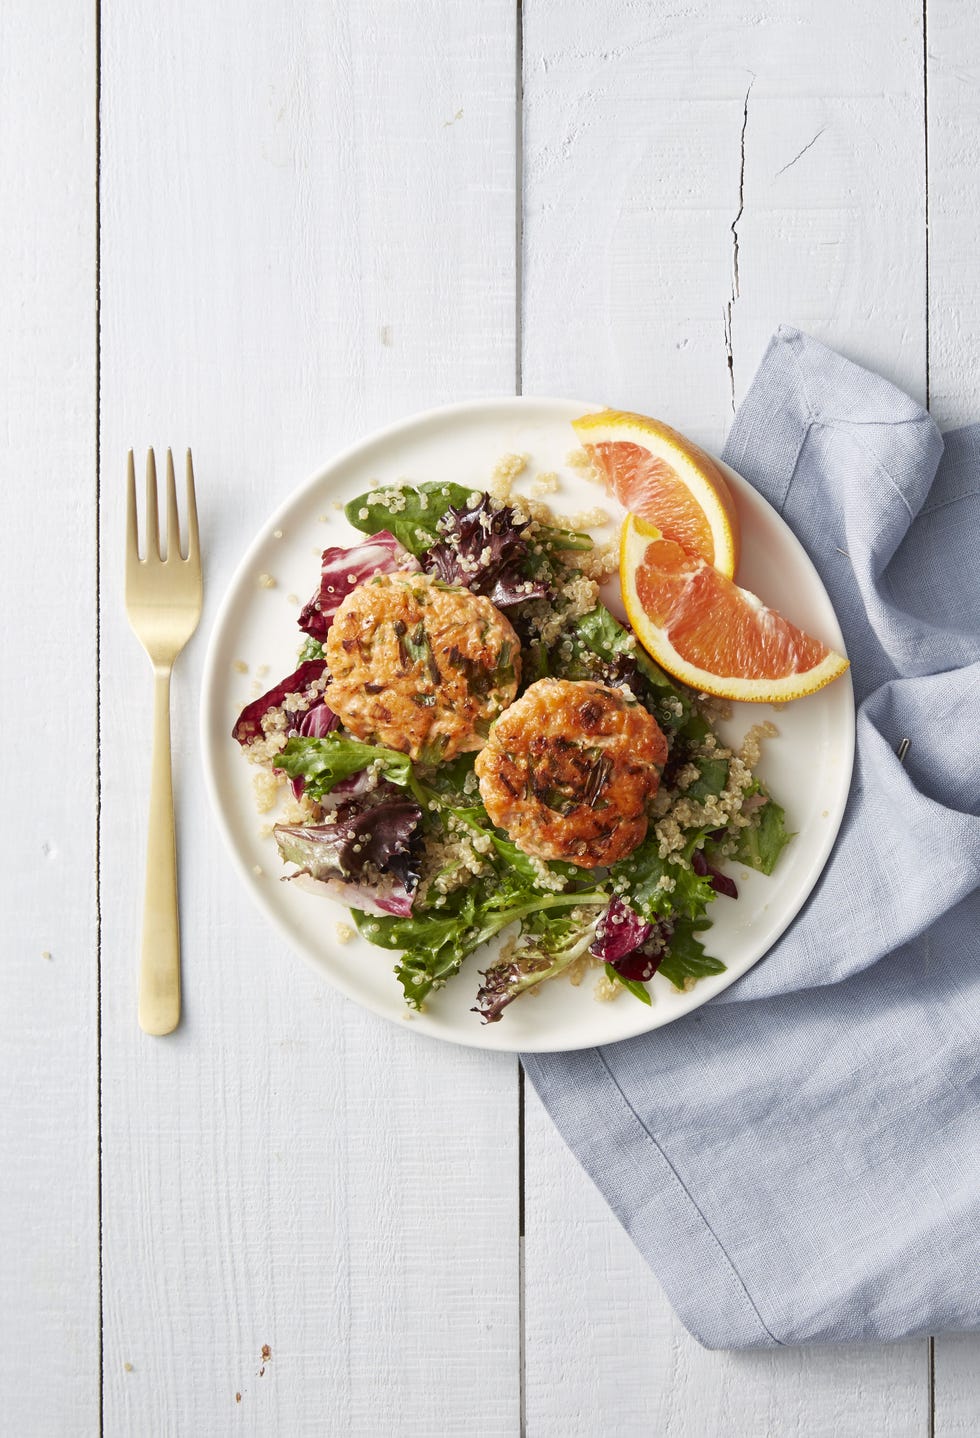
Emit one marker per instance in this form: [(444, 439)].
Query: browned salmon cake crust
[(570, 769), (420, 666)]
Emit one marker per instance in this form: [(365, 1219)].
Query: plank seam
[(519, 389), (931, 1345), (925, 156), (519, 203), (931, 1395), (521, 1295), (98, 684)]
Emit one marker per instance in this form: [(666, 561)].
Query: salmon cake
[(570, 770), (420, 666)]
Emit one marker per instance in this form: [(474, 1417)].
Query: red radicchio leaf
[(318, 721), (627, 943), (248, 726), (344, 569), (720, 882)]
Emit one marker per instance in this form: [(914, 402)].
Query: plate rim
[(208, 731)]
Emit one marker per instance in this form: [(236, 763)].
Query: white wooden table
[(262, 230)]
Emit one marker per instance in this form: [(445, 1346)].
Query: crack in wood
[(790, 163), (730, 305)]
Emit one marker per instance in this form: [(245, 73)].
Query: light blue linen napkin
[(799, 1161)]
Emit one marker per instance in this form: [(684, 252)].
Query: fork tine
[(132, 529), (193, 538), (173, 519), (152, 514)]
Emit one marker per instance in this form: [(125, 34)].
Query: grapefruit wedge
[(709, 633), (660, 476)]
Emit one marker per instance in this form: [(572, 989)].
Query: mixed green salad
[(406, 842)]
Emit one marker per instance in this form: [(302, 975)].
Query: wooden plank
[(662, 148), (49, 1260), (957, 1386), (308, 229), (954, 167), (954, 395), (692, 179)]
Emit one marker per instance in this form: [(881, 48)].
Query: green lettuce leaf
[(414, 522), (637, 878), (436, 941), (761, 845), (636, 988), (312, 649), (686, 959), (323, 763), (711, 780)]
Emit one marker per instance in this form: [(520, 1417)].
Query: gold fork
[(163, 602)]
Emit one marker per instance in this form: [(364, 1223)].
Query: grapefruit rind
[(636, 536), (699, 473)]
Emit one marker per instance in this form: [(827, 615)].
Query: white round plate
[(808, 767)]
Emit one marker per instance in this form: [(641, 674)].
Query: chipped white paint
[(308, 228)]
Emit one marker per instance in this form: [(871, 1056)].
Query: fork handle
[(159, 1000)]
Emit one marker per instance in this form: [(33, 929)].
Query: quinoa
[(503, 474), (577, 971), (713, 708), (240, 667), (585, 519), (546, 483), (265, 786), (266, 581), (582, 594), (751, 750), (606, 991), (344, 933), (579, 459), (601, 561), (300, 811)]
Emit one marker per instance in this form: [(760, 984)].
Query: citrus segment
[(709, 633), (659, 475)]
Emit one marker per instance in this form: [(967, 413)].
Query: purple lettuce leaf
[(720, 882), (483, 549), (248, 726), (534, 960), (342, 570), (370, 844), (383, 900)]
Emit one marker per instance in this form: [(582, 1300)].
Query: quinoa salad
[(474, 753)]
